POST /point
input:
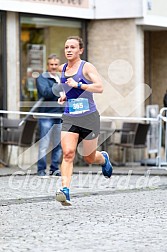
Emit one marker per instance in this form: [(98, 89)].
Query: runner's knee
[(69, 155)]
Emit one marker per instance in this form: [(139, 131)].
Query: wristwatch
[(79, 85)]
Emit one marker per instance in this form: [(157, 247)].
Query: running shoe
[(107, 167), (63, 196), (41, 174), (55, 173)]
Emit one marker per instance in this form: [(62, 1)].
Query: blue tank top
[(79, 102)]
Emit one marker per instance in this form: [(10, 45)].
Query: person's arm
[(60, 68), (44, 89), (90, 73), (62, 99)]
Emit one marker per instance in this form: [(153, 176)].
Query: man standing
[(49, 127)]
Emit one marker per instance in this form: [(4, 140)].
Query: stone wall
[(115, 47)]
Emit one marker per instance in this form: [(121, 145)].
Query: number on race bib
[(78, 106)]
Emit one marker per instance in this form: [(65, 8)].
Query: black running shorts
[(88, 127)]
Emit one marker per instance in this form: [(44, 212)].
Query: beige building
[(125, 40)]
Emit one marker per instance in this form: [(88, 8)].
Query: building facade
[(125, 40)]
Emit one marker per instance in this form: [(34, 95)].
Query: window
[(41, 36)]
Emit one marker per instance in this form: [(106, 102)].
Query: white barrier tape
[(31, 113), (58, 115)]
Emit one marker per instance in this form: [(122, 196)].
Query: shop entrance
[(41, 36)]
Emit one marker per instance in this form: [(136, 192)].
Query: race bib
[(78, 106)]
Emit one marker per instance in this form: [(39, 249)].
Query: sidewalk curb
[(79, 195), (115, 173)]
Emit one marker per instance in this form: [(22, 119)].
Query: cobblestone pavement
[(122, 214)]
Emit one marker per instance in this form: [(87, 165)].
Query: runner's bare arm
[(60, 68), (90, 73)]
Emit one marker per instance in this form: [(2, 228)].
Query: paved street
[(125, 213)]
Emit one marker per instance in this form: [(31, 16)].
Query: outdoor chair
[(133, 136), (16, 132)]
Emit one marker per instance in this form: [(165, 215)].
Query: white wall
[(118, 9), (146, 12), (94, 9), (50, 8), (158, 8)]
